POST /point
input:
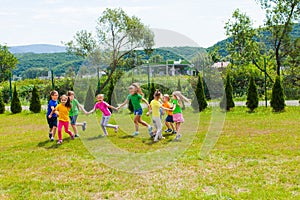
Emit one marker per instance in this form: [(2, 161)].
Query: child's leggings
[(158, 126), (104, 124), (66, 127)]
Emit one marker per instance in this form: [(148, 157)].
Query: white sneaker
[(116, 129)]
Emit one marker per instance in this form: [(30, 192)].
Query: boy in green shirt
[(73, 114)]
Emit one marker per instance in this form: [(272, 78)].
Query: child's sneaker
[(59, 142), (72, 137), (178, 136), (168, 131), (155, 140), (135, 134), (174, 132), (76, 135), (50, 136), (162, 138), (150, 129), (52, 139), (116, 129), (83, 126)]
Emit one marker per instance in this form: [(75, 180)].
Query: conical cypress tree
[(252, 95), (206, 90), (35, 103), (199, 101), (152, 91), (15, 105), (227, 100), (2, 105), (98, 91), (277, 100), (89, 99)]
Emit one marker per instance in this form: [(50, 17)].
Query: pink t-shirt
[(103, 106)]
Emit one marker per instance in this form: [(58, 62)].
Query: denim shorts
[(138, 112), (73, 119), (52, 122)]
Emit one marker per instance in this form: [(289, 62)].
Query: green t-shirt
[(74, 110), (135, 100), (178, 108)]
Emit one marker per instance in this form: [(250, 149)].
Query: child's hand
[(49, 116), (148, 113)]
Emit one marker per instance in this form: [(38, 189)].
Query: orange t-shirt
[(168, 105)]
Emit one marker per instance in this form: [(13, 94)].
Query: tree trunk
[(278, 62)]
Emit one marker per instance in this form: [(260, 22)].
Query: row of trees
[(15, 105)]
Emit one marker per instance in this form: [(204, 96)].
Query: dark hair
[(70, 93), (68, 103), (52, 93), (157, 93)]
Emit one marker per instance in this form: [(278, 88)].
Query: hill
[(222, 44), (37, 48)]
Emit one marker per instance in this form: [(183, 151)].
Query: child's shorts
[(73, 119), (52, 122), (169, 118), (178, 117), (138, 112)]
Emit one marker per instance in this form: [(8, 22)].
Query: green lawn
[(257, 156)]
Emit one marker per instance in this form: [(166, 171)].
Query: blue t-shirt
[(50, 104)]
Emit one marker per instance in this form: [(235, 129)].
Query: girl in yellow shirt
[(62, 110)]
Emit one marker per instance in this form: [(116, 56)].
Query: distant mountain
[(37, 48)]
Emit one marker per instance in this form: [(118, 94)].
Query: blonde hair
[(138, 88), (180, 97), (100, 95)]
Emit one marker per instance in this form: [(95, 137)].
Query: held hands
[(50, 116), (148, 113)]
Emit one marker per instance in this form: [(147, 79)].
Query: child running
[(155, 106), (62, 110), (51, 116), (73, 114), (103, 107), (135, 96), (178, 99), (169, 119)]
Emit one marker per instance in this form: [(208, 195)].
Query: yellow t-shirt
[(168, 105), (63, 112), (155, 105)]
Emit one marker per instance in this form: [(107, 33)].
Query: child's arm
[(123, 104), (146, 102), (112, 107), (52, 111), (81, 108), (149, 111), (91, 111)]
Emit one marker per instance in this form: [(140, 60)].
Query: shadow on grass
[(54, 144), (96, 137), (126, 136)]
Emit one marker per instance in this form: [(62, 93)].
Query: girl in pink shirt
[(103, 106)]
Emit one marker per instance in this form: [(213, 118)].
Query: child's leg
[(102, 123), (178, 127), (66, 127), (53, 131), (136, 122), (141, 121), (74, 129), (167, 124), (158, 125), (172, 125), (60, 125)]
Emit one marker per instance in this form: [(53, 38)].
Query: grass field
[(257, 156)]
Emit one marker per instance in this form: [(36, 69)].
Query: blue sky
[(52, 21)]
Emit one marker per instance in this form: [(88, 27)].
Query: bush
[(227, 100), (252, 95), (15, 106), (277, 99), (89, 99), (2, 105), (35, 103), (199, 102)]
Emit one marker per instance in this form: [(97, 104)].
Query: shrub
[(35, 103), (277, 99), (15, 106), (227, 100), (252, 95), (199, 102), (2, 105), (89, 99)]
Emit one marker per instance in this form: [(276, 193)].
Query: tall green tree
[(2, 105), (152, 91), (117, 33), (89, 99), (35, 102), (227, 100), (280, 18), (7, 63), (277, 100), (243, 46), (15, 105), (252, 95), (199, 101)]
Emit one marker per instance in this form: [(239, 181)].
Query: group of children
[(60, 115)]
